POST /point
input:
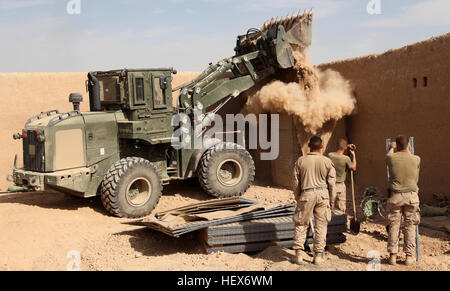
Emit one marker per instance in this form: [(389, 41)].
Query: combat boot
[(298, 258), (318, 259), (410, 260), (393, 260)]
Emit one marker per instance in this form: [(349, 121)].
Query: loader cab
[(138, 92)]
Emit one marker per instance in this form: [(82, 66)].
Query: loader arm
[(259, 54)]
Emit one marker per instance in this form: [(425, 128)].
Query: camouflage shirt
[(313, 171), (404, 171), (342, 163)]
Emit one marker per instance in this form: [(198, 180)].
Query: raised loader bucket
[(279, 42), (293, 33)]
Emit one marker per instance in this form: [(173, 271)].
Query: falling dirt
[(317, 99)]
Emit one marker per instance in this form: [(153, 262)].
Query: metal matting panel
[(285, 210), (255, 247), (267, 224), (263, 236)]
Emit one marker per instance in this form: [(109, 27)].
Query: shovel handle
[(353, 193), (417, 244)]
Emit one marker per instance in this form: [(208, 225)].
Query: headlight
[(40, 136)]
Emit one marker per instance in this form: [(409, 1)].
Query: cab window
[(140, 96), (109, 89)]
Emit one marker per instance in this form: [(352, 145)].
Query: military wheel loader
[(126, 148)]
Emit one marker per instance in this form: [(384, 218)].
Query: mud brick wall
[(403, 91)]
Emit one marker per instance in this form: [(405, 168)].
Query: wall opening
[(415, 82), (425, 82)]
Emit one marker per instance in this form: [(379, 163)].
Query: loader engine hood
[(49, 140), (54, 141)]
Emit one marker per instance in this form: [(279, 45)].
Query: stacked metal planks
[(257, 235), (195, 217), (238, 225)]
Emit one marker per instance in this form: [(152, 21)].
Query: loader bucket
[(293, 36)]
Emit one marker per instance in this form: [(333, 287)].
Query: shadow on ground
[(347, 257), (274, 254), (56, 200), (424, 231), (189, 189), (53, 200), (148, 243)]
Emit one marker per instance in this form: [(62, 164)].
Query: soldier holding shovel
[(342, 163)]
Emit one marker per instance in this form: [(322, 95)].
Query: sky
[(46, 36)]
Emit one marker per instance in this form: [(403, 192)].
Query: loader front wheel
[(226, 170), (131, 188)]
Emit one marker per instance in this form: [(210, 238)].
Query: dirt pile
[(317, 99)]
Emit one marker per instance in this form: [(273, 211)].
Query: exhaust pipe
[(94, 93)]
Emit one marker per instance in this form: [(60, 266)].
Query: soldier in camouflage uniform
[(404, 201), (315, 178), (342, 163)]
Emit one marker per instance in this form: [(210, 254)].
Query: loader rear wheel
[(226, 170), (131, 188)]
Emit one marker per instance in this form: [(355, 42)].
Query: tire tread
[(109, 185), (206, 159)]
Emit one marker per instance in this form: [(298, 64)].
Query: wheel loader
[(124, 148)]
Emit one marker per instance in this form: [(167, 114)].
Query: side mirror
[(76, 99)]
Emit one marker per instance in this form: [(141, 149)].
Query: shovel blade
[(355, 226)]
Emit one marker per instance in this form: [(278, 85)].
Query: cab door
[(160, 127), (162, 92), (140, 90)]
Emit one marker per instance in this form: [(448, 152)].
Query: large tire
[(226, 170), (131, 188)]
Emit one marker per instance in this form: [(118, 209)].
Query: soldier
[(315, 177), (342, 163), (403, 199)]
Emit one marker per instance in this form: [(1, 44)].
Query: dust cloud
[(316, 98)]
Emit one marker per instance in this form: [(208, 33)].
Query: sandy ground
[(38, 230)]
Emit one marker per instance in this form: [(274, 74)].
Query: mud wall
[(403, 91), (23, 95), (293, 144)]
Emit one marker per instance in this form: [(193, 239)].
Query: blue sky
[(40, 36)]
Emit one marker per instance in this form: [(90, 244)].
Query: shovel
[(355, 225)]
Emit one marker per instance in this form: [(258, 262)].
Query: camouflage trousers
[(404, 205), (340, 203), (309, 204)]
